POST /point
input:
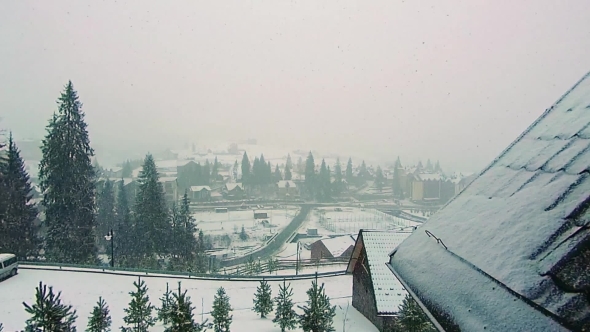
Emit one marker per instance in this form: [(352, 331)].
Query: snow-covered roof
[(389, 292), (167, 179), (199, 188), (520, 224), (283, 184), (232, 186), (429, 176), (338, 245)]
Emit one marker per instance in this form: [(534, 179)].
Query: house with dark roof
[(511, 252), (200, 193), (376, 292), (335, 247), (233, 191)]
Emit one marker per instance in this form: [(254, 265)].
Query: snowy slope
[(83, 289)]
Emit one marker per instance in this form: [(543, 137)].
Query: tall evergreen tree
[(420, 167), (138, 315), (277, 176), (184, 245), (379, 179), (206, 173), (215, 170), (127, 171), (300, 167), (289, 163), (337, 187), (221, 311), (67, 180), (318, 314), (363, 173), (268, 174), (398, 163), (126, 241), (201, 259), (288, 175), (349, 174), (245, 169), (437, 168), (100, 318), (18, 233), (285, 316), (106, 215), (165, 310), (263, 299), (429, 166), (310, 175), (323, 192), (48, 313), (151, 213), (180, 317)]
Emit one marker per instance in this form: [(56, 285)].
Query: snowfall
[(82, 290)]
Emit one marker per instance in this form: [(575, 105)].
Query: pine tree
[(300, 167), (189, 242), (437, 168), (285, 316), (337, 187), (245, 169), (243, 234), (323, 192), (138, 316), (201, 256), (18, 233), (277, 176), (214, 170), (48, 313), (398, 190), (124, 228), (363, 173), (349, 174), (180, 316), (207, 173), (221, 311), (318, 314), (412, 318), (165, 311), (288, 175), (263, 299), (106, 215), (67, 180), (379, 179), (429, 166), (100, 318), (289, 163), (310, 175), (127, 171), (151, 213)]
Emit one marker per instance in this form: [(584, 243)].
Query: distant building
[(431, 187), (170, 186), (233, 191), (287, 188), (376, 293), (200, 193), (336, 247)]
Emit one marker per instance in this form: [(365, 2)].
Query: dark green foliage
[(165, 311), (412, 318), (323, 183), (310, 184), (363, 172), (184, 247), (379, 179), (263, 299), (125, 241), (288, 175), (179, 316), (272, 265), (221, 311), (18, 233), (215, 170), (277, 176), (429, 166), (289, 163), (127, 170), (201, 256), (337, 186), (100, 318), (48, 313), (285, 316), (151, 214), (138, 315), (67, 180), (318, 314), (398, 190), (349, 175), (243, 234), (105, 217), (437, 168), (245, 169)]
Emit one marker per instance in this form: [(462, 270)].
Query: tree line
[(148, 233)]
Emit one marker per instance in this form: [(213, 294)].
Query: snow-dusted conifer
[(221, 311), (49, 313), (285, 316), (100, 318), (318, 314), (138, 316), (263, 299)]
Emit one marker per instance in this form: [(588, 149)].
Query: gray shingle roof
[(522, 222)]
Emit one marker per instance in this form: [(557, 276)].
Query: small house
[(336, 247), (287, 188), (233, 191), (200, 193)]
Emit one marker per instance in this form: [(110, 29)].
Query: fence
[(273, 245), (258, 266), (168, 274)]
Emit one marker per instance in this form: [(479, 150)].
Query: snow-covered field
[(218, 225), (328, 221), (83, 289)]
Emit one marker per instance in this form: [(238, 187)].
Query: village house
[(200, 193), (514, 244), (431, 187), (376, 293), (233, 191), (336, 247), (287, 188), (170, 186)]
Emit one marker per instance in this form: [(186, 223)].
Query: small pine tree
[(164, 312), (243, 234), (139, 313), (221, 311), (180, 314), (318, 314), (263, 299), (100, 318), (285, 316), (412, 318), (48, 313)]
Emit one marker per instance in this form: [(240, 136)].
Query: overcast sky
[(453, 80)]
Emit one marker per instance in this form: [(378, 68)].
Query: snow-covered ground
[(328, 221), (82, 290), (218, 225)]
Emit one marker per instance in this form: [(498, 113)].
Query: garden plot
[(225, 229), (331, 221)]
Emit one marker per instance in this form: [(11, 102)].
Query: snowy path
[(83, 289)]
